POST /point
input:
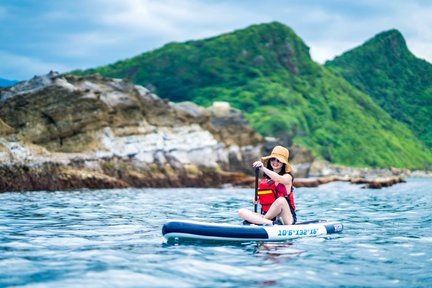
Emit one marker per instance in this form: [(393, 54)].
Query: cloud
[(67, 35), (3, 12), (12, 66), (175, 20), (124, 29), (144, 16), (415, 24), (330, 30)]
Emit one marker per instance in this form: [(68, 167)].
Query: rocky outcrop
[(315, 182), (64, 132), (67, 132), (375, 183), (379, 182), (320, 168), (323, 172)]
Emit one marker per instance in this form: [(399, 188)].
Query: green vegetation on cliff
[(266, 71), (400, 83)]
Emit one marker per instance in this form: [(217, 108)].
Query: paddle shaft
[(256, 189)]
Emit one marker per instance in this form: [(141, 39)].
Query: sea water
[(112, 238)]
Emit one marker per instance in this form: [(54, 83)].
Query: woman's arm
[(284, 179)]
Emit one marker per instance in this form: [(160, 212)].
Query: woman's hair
[(281, 172)]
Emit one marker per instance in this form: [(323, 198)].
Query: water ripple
[(113, 238)]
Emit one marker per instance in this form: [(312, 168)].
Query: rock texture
[(62, 132), (321, 168), (375, 183), (65, 132)]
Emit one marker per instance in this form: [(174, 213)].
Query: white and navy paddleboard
[(193, 230)]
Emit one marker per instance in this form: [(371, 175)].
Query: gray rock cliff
[(65, 132)]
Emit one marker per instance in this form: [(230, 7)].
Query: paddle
[(256, 188)]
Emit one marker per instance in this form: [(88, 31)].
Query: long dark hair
[(281, 172)]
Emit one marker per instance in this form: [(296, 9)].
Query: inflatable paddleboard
[(193, 230)]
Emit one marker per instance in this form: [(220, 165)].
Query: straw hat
[(280, 153)]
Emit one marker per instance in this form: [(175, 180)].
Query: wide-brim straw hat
[(280, 153)]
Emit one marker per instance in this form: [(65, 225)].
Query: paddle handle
[(256, 189)]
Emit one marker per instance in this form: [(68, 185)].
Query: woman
[(275, 191)]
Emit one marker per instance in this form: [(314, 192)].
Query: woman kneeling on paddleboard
[(275, 191)]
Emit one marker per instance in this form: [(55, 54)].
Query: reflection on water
[(113, 238), (279, 252)]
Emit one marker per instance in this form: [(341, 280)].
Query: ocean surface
[(112, 238)]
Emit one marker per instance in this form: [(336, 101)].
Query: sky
[(38, 36)]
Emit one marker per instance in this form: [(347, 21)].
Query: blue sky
[(62, 35)]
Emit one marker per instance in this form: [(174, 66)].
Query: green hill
[(266, 71), (400, 83)]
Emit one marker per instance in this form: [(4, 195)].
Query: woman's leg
[(280, 208), (253, 217)]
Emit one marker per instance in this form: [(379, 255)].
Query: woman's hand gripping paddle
[(256, 189)]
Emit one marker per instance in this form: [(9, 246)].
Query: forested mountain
[(266, 71), (400, 83)]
